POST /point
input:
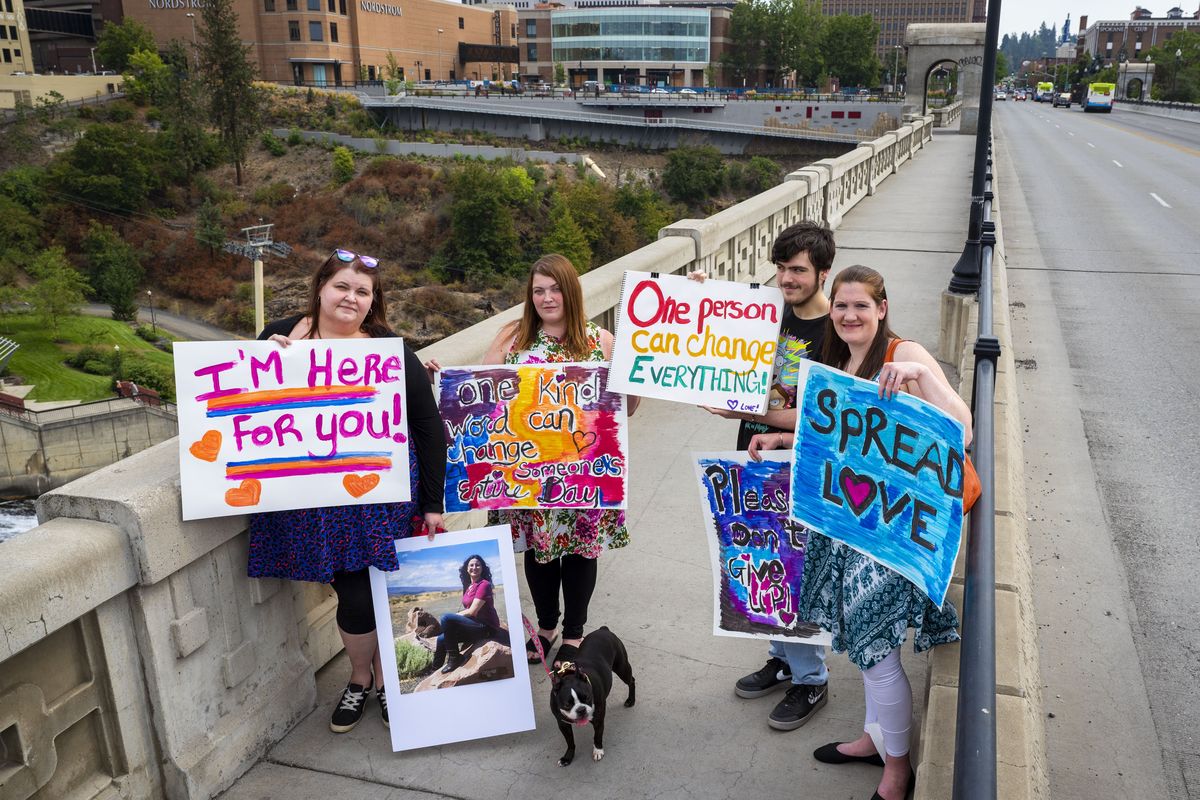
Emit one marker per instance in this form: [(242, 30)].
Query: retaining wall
[(138, 660)]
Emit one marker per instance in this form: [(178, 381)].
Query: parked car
[(1062, 99), (659, 90), (1001, 96), (687, 91)]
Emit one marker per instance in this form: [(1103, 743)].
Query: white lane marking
[(1161, 202), (1091, 145), (1058, 126), (1070, 134), (1119, 164)]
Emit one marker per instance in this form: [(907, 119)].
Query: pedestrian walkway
[(688, 736)]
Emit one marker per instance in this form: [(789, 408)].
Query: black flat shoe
[(531, 654), (829, 754), (912, 783), (565, 653)]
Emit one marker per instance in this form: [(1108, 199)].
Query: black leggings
[(355, 611), (576, 576)]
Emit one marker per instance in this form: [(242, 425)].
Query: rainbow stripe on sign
[(313, 465), (284, 399)]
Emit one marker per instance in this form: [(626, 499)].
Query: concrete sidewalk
[(689, 736)]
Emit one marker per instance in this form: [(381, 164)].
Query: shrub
[(294, 137), (147, 333), (694, 174), (411, 659), (343, 165), (272, 144), (144, 373), (274, 194), (94, 367), (86, 354)]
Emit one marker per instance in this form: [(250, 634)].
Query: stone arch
[(929, 72), (929, 44), (1137, 75)]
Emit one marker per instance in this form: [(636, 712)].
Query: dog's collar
[(567, 667)]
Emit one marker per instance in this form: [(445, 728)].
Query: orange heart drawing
[(246, 494), (207, 448), (358, 485)]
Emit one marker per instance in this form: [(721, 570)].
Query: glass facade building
[(633, 34)]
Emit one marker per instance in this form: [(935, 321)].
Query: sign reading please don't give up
[(266, 428), (710, 343)]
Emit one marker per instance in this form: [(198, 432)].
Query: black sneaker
[(774, 675), (798, 706), (379, 693), (350, 709)]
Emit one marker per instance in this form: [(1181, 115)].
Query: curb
[(1021, 761)]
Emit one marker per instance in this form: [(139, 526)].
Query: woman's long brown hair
[(575, 338), (375, 323), (834, 351)]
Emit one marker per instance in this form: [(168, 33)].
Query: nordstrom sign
[(381, 8)]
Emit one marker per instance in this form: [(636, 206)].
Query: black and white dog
[(579, 689)]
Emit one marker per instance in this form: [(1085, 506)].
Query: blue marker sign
[(883, 476)]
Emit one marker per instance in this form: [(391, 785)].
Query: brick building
[(1109, 39)]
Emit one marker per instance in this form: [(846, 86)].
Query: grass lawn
[(40, 359)]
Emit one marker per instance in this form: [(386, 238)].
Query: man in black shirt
[(803, 255)]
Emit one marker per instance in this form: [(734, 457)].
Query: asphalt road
[(189, 329), (1103, 252)]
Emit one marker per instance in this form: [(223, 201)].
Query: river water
[(16, 516)]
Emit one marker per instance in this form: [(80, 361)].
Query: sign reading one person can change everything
[(884, 476), (710, 343)]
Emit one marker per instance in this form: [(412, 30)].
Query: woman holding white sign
[(337, 544), (563, 545), (867, 606)]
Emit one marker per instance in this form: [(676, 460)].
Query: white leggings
[(889, 702)]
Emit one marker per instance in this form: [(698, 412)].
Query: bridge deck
[(688, 736)]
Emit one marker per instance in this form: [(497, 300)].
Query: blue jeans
[(806, 661)]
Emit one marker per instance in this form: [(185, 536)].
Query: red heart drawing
[(358, 485), (859, 490), (246, 494), (207, 448), (583, 440)]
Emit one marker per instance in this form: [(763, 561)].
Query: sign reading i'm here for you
[(884, 476), (267, 428), (710, 343), (533, 436), (757, 551)]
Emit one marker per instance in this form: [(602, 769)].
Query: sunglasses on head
[(347, 256)]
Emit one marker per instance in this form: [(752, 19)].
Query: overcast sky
[(1018, 16)]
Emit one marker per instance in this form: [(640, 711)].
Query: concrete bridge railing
[(947, 116), (138, 660)]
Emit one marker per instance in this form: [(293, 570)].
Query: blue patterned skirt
[(866, 606), (310, 544)]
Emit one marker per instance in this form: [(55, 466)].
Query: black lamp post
[(153, 321), (1175, 75), (967, 270)]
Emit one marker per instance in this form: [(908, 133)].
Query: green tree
[(566, 237), (119, 41), (1177, 78), (747, 30), (848, 49), (58, 289), (646, 207), (483, 238), (210, 228), (1002, 68), (186, 146), (795, 37), (235, 105), (20, 230), (343, 164), (148, 79), (116, 271), (560, 74), (693, 174), (111, 166)]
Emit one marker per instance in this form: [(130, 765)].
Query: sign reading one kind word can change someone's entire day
[(533, 436), (884, 476), (710, 343), (267, 428)]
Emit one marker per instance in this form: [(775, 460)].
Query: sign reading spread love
[(757, 551), (533, 436), (883, 476), (267, 428), (710, 343)]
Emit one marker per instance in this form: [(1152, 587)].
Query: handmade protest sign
[(418, 607), (883, 476), (710, 343), (757, 550), (533, 436), (267, 428)]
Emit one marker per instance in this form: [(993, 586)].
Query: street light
[(153, 322), (895, 67), (93, 60), (195, 47), (440, 32), (1175, 75)]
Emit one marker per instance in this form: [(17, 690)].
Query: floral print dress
[(552, 532)]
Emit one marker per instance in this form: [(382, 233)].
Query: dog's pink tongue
[(579, 723)]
